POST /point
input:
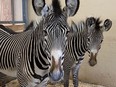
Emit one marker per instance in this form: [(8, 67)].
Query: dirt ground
[(81, 84)]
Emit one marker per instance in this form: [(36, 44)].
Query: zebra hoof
[(92, 62)]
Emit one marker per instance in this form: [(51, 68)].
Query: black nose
[(56, 76)]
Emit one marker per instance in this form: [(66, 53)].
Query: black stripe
[(41, 56)]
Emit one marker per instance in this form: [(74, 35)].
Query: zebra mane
[(56, 7), (8, 30), (80, 27), (34, 24), (30, 26), (98, 22)]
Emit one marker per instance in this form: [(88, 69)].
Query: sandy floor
[(81, 84)]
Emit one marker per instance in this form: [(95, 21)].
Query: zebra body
[(31, 54), (86, 36), (18, 48)]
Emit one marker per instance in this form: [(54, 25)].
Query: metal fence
[(24, 6)]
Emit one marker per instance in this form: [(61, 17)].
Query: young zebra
[(85, 36), (36, 55)]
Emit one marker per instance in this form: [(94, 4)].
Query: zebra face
[(56, 27), (55, 43), (95, 37)]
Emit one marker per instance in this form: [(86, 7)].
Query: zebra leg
[(22, 82), (75, 71), (21, 76), (66, 77), (67, 66)]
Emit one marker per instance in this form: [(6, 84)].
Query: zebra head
[(95, 36), (56, 27)]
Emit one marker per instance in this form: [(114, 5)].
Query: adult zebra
[(34, 54), (85, 36)]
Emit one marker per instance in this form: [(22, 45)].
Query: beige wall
[(105, 71)]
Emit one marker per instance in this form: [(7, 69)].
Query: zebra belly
[(9, 72)]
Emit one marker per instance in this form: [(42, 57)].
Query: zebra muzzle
[(56, 76), (93, 60), (56, 72)]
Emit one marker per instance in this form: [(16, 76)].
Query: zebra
[(35, 55), (4, 79), (85, 36)]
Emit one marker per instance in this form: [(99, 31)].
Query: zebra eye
[(101, 41), (62, 56), (88, 39), (67, 32), (45, 33)]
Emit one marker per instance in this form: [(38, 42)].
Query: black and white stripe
[(23, 53)]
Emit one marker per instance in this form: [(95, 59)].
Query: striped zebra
[(85, 36), (36, 55)]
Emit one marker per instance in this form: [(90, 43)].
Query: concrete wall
[(104, 72)]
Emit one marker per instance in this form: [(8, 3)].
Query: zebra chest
[(39, 71), (39, 76)]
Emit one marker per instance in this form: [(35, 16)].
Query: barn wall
[(105, 71)]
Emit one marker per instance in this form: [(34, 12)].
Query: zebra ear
[(72, 6), (39, 7), (90, 23), (107, 25)]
